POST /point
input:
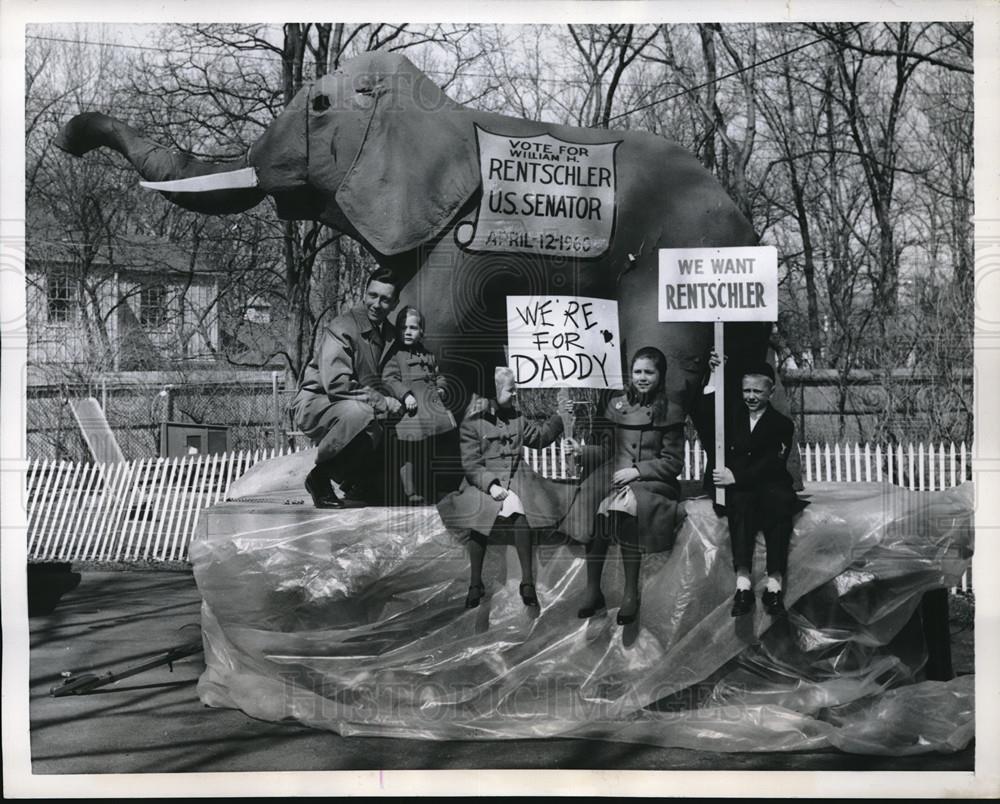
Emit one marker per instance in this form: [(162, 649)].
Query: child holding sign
[(632, 496), (760, 492), (411, 375), (501, 496)]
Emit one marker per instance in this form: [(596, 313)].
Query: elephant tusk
[(231, 180)]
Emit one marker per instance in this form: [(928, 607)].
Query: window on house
[(258, 310), (60, 298), (153, 306)]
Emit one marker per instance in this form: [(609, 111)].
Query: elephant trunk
[(157, 164)]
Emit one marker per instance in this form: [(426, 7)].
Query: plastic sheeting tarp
[(353, 620)]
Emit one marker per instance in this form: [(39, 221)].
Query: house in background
[(137, 305), (144, 328)]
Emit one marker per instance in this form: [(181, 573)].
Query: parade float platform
[(353, 620)]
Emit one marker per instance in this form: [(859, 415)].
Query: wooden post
[(275, 409), (719, 383), (568, 419), (937, 635), (569, 424)]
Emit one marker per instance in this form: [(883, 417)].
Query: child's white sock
[(742, 583), (773, 584)]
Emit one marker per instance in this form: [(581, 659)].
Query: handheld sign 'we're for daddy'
[(564, 342)]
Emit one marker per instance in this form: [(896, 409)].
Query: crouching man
[(340, 405)]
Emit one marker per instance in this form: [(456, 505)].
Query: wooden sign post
[(719, 284), (719, 382)]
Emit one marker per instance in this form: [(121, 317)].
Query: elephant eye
[(321, 103)]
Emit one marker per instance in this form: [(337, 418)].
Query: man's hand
[(411, 403), (372, 397), (723, 476), (624, 476), (392, 404), (498, 492)]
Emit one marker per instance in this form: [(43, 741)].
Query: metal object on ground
[(85, 682)]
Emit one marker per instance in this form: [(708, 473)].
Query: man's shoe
[(361, 494), (774, 602), (354, 496), (320, 491), (743, 602)]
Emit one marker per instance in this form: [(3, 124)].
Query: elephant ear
[(414, 171)]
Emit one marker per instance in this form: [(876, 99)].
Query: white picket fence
[(130, 511), (148, 510), (919, 467)]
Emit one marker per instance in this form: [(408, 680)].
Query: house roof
[(133, 252)]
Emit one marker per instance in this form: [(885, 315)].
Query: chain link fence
[(253, 408)]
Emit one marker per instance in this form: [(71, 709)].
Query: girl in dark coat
[(632, 496), (411, 375), (501, 497)]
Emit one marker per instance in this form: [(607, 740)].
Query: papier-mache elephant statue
[(469, 207)]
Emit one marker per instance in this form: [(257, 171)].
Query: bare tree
[(605, 52), (725, 124)]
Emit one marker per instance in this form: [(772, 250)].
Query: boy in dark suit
[(759, 489)]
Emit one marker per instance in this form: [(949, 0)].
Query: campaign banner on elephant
[(564, 342), (543, 195), (718, 284)]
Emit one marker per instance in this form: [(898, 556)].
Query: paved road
[(154, 722)]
